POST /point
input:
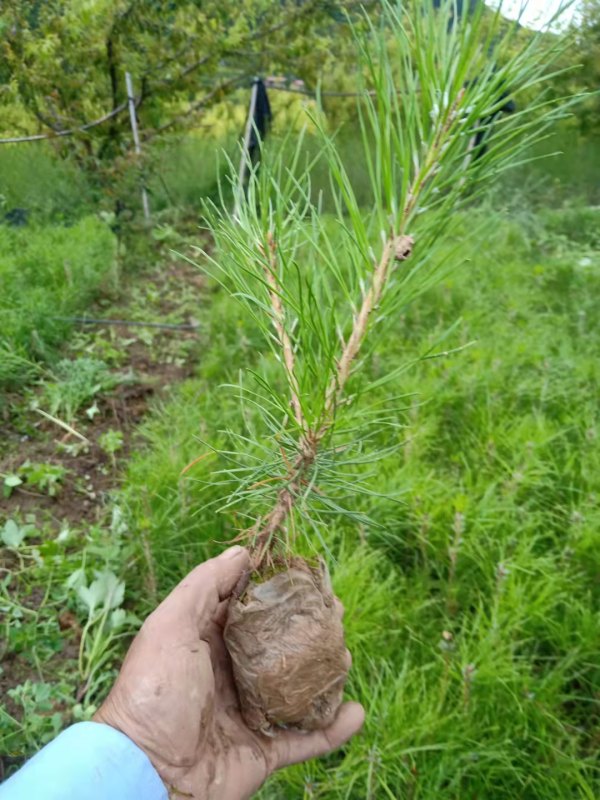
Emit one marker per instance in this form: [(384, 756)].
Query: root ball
[(286, 641)]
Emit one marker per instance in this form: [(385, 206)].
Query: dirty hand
[(175, 697)]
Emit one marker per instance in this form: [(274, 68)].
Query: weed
[(43, 476), (13, 534), (39, 701), (10, 483), (63, 624), (76, 382), (106, 623), (111, 442)]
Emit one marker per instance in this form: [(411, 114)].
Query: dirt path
[(146, 362)]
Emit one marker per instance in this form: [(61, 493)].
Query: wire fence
[(132, 103), (197, 106)]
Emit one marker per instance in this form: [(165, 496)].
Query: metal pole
[(136, 138), (245, 149)]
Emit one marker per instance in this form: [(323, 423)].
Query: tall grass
[(32, 178), (184, 171), (564, 172)]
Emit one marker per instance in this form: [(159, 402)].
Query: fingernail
[(232, 552)]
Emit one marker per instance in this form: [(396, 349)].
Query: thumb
[(228, 568), (201, 590), (291, 748)]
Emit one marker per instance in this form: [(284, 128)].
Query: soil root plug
[(286, 641)]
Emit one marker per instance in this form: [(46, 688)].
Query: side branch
[(286, 497), (37, 137), (270, 269)]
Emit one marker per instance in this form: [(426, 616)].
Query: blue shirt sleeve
[(88, 761)]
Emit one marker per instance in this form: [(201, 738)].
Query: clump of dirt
[(286, 642)]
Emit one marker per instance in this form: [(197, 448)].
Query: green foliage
[(579, 224), (106, 623), (48, 273), (185, 171), (13, 534), (63, 65), (32, 178), (63, 624), (580, 68), (76, 382), (471, 611), (111, 442), (38, 701), (43, 476), (567, 178), (10, 483), (588, 56)]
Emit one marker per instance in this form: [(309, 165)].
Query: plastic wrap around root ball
[(286, 641)]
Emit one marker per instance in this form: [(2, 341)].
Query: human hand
[(176, 699)]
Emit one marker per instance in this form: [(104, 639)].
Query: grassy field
[(472, 605), (470, 611), (47, 274)]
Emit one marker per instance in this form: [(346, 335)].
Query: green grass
[(48, 272), (568, 178), (184, 171), (472, 610)]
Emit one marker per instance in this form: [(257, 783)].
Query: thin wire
[(314, 94), (55, 134), (130, 323)]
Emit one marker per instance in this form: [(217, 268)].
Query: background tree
[(64, 63), (588, 55)]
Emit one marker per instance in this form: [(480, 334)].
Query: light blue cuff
[(88, 761)]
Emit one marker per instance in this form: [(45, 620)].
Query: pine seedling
[(324, 289)]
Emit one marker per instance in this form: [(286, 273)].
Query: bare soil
[(90, 476)]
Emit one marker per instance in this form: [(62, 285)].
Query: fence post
[(136, 139), (245, 150)]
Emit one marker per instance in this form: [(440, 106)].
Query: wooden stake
[(136, 139)]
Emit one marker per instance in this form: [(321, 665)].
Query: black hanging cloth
[(261, 119)]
